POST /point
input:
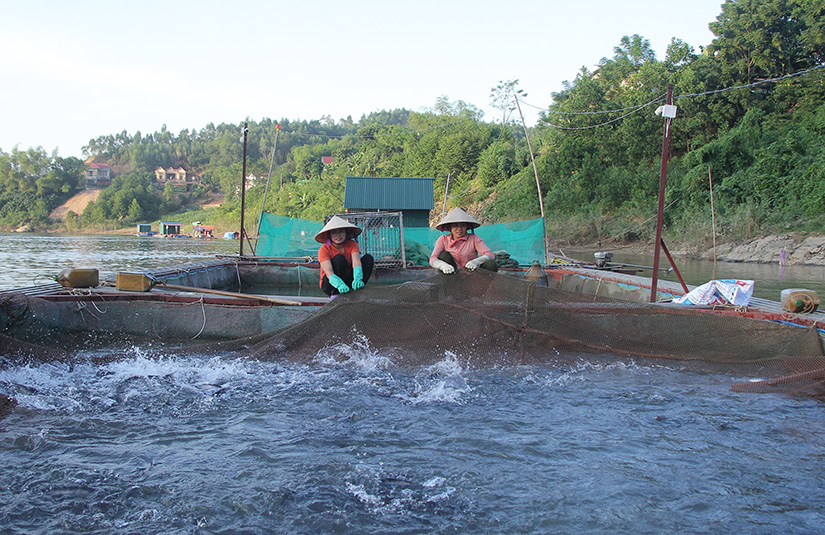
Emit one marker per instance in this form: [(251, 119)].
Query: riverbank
[(781, 249)]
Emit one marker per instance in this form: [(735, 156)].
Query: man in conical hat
[(342, 267), (461, 247)]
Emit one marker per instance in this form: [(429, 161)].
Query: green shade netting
[(290, 236), (287, 236), (523, 240)]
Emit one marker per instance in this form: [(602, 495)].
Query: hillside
[(76, 204)]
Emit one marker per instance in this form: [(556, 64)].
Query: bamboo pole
[(712, 221), (446, 189), (230, 294), (268, 177), (538, 184)]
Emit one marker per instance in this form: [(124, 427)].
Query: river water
[(203, 445)]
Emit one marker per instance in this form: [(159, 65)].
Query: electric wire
[(599, 112), (634, 109), (630, 110), (759, 82), (590, 127)]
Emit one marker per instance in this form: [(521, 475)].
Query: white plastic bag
[(719, 292)]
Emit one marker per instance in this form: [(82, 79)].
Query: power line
[(547, 110), (631, 110), (769, 80), (634, 109)]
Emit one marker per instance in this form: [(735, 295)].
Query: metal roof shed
[(170, 228), (411, 196)]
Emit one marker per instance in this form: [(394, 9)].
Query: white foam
[(356, 353), (363, 496)]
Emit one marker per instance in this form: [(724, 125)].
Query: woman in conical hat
[(342, 266), (461, 247)]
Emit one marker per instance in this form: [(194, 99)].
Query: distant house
[(98, 175), (176, 176), (172, 174), (413, 197)]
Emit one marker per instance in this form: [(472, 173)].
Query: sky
[(71, 71)]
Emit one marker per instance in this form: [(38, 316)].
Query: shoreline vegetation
[(582, 237), (791, 248)]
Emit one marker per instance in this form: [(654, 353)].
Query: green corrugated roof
[(389, 193)]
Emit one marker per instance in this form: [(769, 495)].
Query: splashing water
[(351, 443)]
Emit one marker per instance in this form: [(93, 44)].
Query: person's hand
[(443, 266), (473, 264), (357, 278), (339, 284)]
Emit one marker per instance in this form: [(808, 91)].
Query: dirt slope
[(76, 204)]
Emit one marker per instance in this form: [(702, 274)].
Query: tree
[(679, 54), (758, 39), (135, 211), (72, 221)]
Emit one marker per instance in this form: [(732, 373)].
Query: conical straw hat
[(334, 223), (457, 215)]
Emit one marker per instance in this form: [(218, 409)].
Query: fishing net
[(486, 319), (34, 329), (21, 336)]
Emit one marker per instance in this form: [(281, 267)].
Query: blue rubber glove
[(338, 284), (357, 278)]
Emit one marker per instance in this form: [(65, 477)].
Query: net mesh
[(292, 237), (491, 319), (382, 236), (22, 336), (487, 319)]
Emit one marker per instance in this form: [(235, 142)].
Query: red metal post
[(660, 214), (673, 265)]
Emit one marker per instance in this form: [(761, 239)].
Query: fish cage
[(382, 236)]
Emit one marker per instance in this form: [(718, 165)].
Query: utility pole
[(243, 186), (668, 111)]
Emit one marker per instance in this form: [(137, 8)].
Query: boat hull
[(167, 314)]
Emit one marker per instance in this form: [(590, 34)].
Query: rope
[(203, 312), (77, 291), (238, 272)]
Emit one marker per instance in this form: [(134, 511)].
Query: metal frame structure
[(382, 237)]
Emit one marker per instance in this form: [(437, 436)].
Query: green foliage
[(130, 198), (33, 183)]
